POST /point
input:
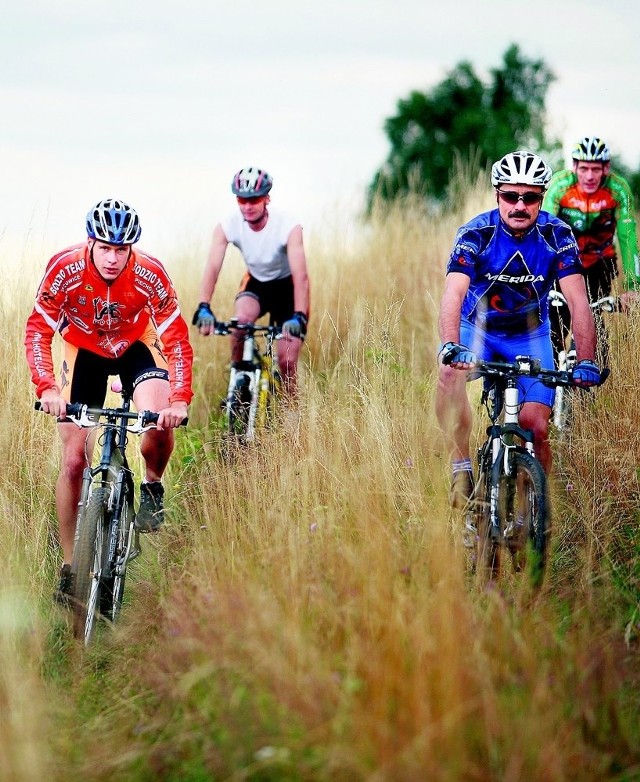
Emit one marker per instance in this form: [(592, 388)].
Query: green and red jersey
[(596, 219)]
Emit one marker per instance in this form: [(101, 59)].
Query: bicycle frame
[(510, 507), (106, 539), (112, 469), (254, 380), (505, 436), (567, 358)]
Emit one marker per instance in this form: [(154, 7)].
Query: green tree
[(467, 121)]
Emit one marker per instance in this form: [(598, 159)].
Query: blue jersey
[(511, 276)]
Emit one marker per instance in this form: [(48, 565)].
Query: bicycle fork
[(566, 362), (246, 368), (129, 543), (504, 444)]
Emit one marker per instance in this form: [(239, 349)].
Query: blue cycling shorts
[(492, 347)]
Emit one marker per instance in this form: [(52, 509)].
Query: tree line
[(465, 121)]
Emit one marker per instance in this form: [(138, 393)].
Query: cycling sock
[(461, 465)]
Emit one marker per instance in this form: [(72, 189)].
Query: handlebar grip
[(72, 409), (152, 418)]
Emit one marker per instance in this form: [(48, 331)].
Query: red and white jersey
[(106, 318)]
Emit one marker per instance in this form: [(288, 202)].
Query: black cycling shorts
[(274, 297), (85, 375)]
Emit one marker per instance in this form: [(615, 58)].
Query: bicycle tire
[(487, 559), (523, 519), (238, 408), (526, 507), (87, 564)]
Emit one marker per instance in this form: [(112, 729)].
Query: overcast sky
[(159, 103)]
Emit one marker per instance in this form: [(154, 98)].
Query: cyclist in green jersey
[(598, 206)]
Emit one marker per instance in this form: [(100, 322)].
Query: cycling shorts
[(599, 278), (85, 375), (492, 347), (274, 297)]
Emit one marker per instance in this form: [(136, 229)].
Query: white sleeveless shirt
[(264, 251)]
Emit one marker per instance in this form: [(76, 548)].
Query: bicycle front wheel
[(239, 406), (487, 554), (87, 565), (524, 510), (114, 569)]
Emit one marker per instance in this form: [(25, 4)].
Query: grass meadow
[(306, 613)]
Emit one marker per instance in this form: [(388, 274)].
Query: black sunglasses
[(528, 199)]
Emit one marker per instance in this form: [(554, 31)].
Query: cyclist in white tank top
[(276, 281), (264, 251)]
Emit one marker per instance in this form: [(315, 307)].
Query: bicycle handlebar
[(225, 327), (527, 366), (88, 417)]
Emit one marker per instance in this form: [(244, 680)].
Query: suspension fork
[(498, 461), (244, 366), (504, 446), (249, 366), (130, 543), (253, 355), (511, 427)]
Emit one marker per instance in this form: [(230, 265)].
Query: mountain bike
[(106, 539), (566, 359), (510, 507), (254, 382)]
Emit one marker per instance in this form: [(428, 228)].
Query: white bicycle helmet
[(113, 221), (520, 168), (591, 149), (251, 183)]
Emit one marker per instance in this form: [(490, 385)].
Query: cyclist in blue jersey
[(495, 306)]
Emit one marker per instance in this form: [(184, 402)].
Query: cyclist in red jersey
[(598, 206), (117, 313)]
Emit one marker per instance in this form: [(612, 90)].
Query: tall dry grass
[(306, 613)]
